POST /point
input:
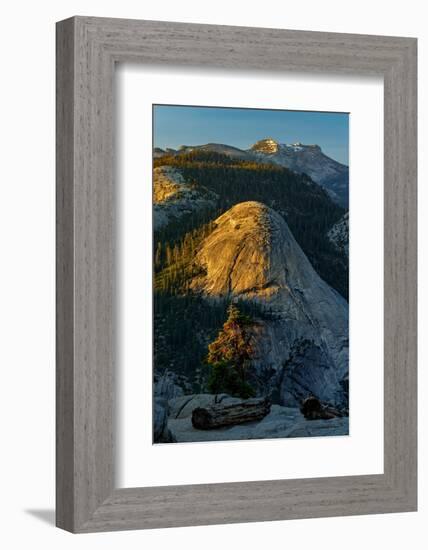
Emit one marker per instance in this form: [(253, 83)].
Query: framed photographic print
[(236, 274), (241, 342)]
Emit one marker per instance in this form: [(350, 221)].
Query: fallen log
[(313, 409), (220, 415)]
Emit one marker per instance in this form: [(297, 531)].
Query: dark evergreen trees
[(185, 323), (306, 207), (229, 355)]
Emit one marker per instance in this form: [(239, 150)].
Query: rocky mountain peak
[(308, 159), (268, 145), (251, 255), (237, 256)]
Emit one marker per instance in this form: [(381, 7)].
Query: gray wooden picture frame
[(87, 50)]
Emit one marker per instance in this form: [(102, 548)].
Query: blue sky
[(182, 125)]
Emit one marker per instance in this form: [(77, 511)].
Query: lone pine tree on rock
[(229, 355)]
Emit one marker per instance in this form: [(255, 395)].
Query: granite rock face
[(168, 385), (251, 255), (339, 235), (174, 198), (307, 372), (281, 422), (160, 419)]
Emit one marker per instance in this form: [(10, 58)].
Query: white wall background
[(27, 272)]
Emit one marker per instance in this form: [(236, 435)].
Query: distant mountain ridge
[(309, 159)]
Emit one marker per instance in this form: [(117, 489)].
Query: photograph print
[(250, 274)]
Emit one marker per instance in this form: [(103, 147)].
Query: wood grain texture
[(87, 49), (64, 276)]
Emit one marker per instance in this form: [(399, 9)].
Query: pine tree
[(229, 355), (168, 254), (158, 255)]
